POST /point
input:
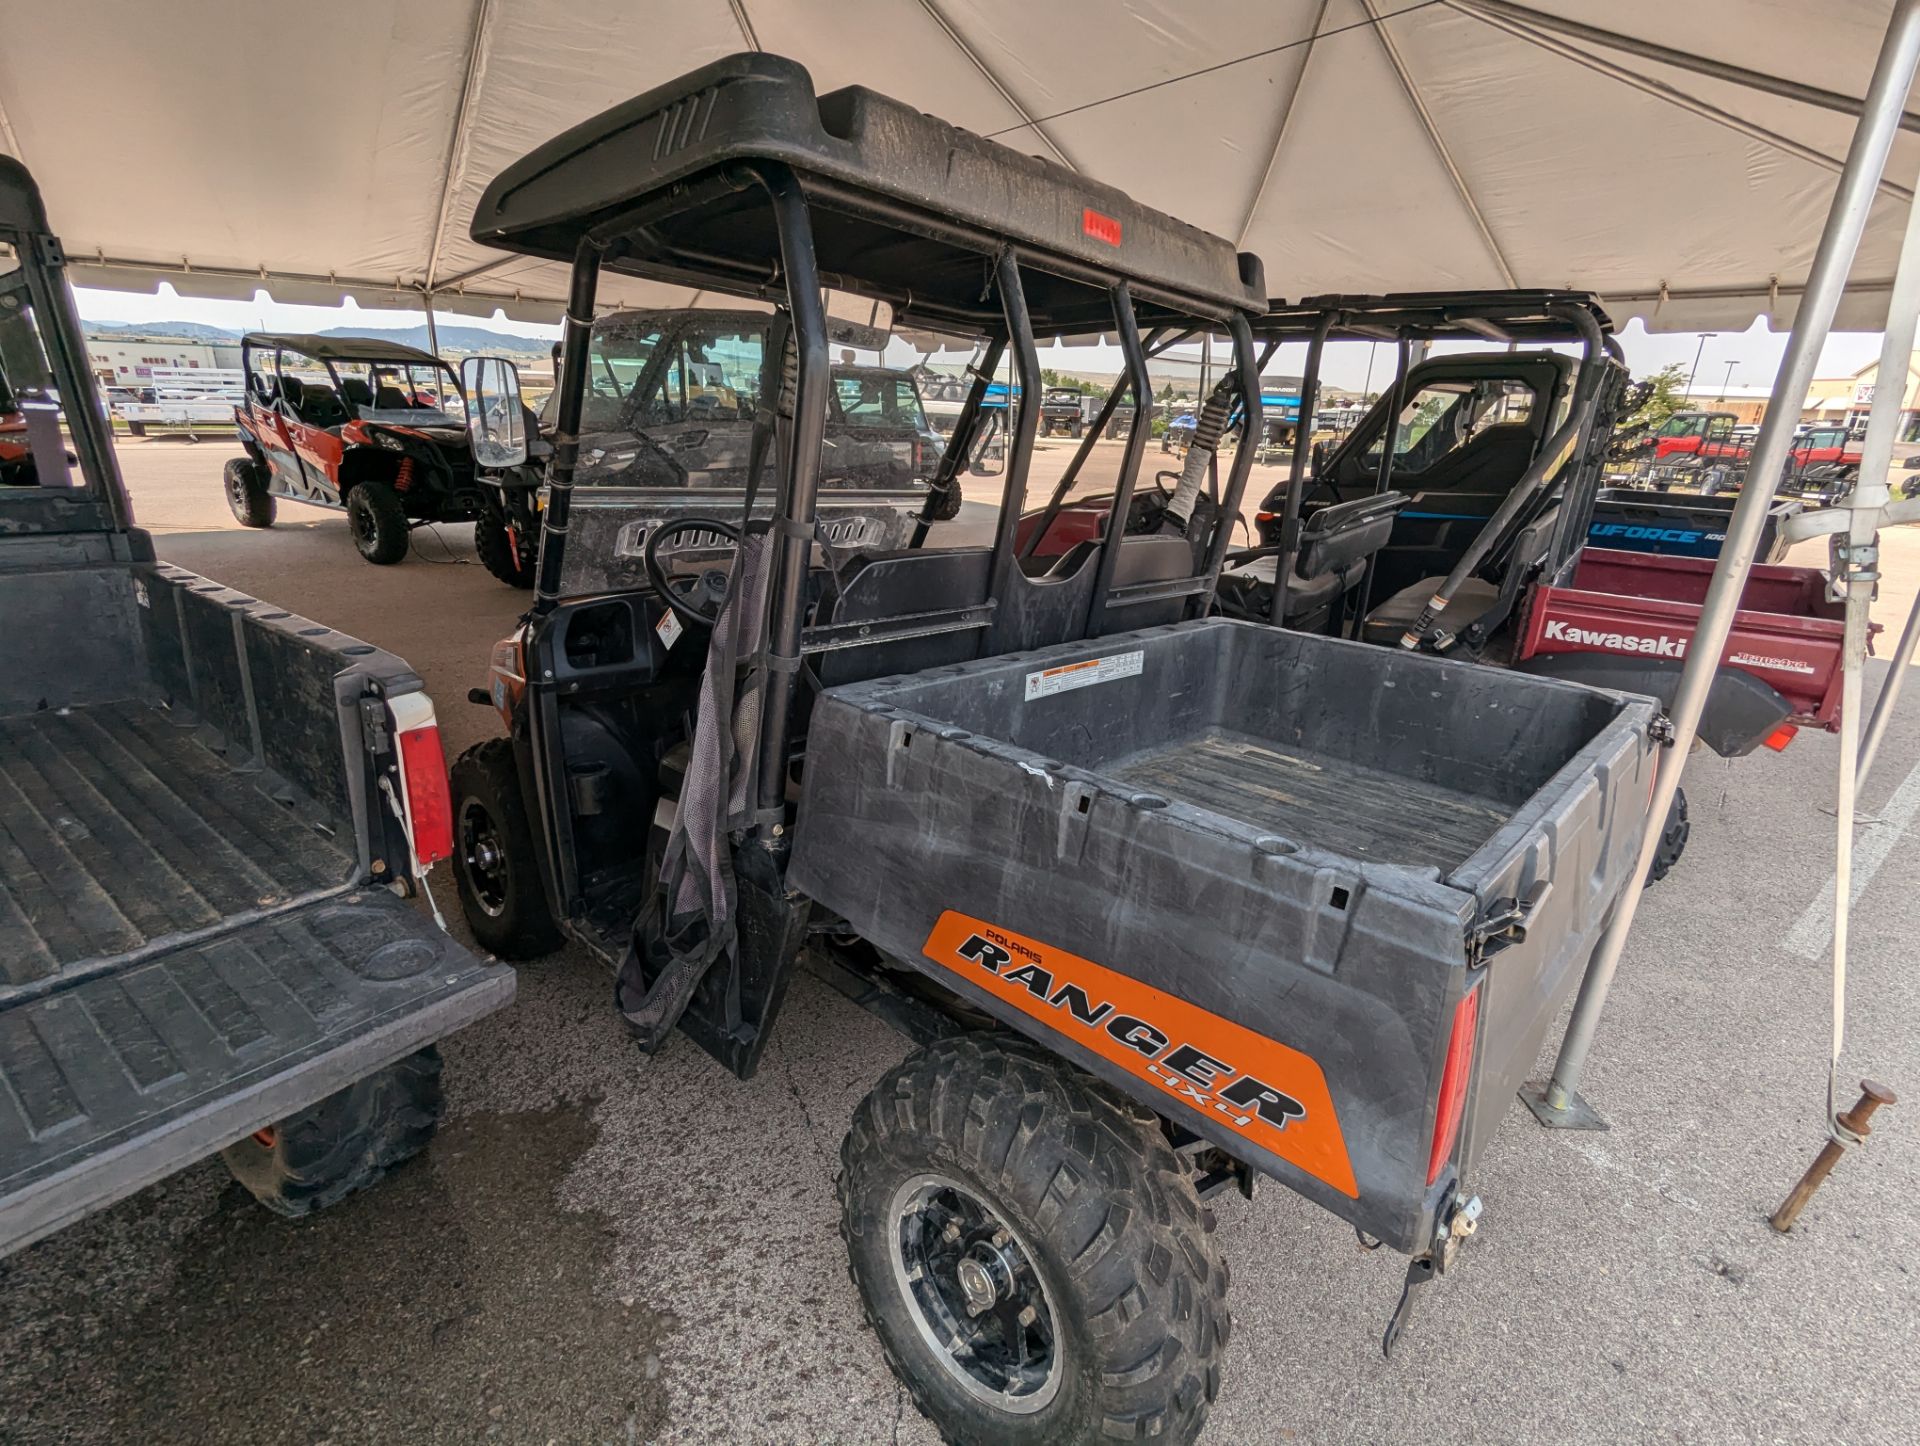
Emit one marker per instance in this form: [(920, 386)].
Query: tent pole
[(1558, 1103), (1890, 690), (433, 335)]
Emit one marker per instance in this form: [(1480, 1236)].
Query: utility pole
[(1705, 337), (1726, 381)]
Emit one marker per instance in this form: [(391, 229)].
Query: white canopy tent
[(1678, 159)]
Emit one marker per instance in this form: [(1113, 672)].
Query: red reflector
[(1266, 517), (423, 770), (1453, 1083), (1781, 736), (1100, 227)]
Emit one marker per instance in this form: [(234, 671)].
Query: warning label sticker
[(1068, 676)]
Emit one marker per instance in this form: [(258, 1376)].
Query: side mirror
[(496, 419)]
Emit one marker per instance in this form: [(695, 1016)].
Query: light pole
[(1705, 337), (1726, 381)]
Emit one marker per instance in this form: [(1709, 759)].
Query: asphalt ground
[(602, 1247)]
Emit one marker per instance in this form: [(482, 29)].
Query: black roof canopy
[(1494, 316), (905, 207), (341, 348)]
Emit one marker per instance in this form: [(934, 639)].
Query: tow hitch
[(1458, 1223)]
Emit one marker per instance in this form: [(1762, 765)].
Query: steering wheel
[(694, 598)]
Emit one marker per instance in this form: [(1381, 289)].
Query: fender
[(1741, 712)]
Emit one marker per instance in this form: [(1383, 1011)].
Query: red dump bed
[(1787, 632)]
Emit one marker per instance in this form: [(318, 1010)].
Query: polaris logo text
[(1271, 1094), (1657, 645)]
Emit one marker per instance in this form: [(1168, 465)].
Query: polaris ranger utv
[(1171, 902), (667, 431), (209, 809), (369, 426)]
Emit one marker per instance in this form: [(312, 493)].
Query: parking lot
[(603, 1247)]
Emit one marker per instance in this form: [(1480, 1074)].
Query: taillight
[(1453, 1082), (1266, 517), (423, 779), (917, 454), (1781, 736)]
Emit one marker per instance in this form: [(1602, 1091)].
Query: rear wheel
[(378, 519), (494, 541), (247, 495), (494, 863), (1673, 839), (318, 1157), (1030, 1251)]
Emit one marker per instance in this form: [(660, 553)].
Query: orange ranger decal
[(1275, 1096)]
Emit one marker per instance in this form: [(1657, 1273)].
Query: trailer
[(186, 399)]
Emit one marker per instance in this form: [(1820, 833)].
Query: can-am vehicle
[(667, 431), (1169, 901), (371, 426), (211, 812)]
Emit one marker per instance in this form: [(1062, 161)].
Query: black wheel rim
[(237, 491), (360, 518), (975, 1294), (483, 858)]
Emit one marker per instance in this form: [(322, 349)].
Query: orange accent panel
[(1275, 1096)]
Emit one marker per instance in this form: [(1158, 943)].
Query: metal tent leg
[(1556, 1104)]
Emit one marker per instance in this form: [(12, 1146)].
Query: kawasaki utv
[(1169, 902), (352, 422), (666, 431)]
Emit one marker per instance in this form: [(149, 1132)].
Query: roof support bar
[(458, 143), (1685, 60), (973, 58), (1460, 186), (1559, 1104), (1659, 89), (1280, 130)]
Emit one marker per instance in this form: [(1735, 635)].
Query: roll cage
[(1512, 318), (329, 352), (701, 181)]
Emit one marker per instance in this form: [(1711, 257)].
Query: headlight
[(391, 443)]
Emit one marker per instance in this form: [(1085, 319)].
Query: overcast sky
[(1754, 353)]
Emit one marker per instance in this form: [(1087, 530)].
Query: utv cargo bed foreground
[(1321, 843), (205, 803), (1196, 899)]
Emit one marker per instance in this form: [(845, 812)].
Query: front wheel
[(1030, 1251), (499, 553), (494, 864), (247, 495), (321, 1155), (378, 519)]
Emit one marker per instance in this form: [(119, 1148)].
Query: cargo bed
[(193, 939), (1263, 844)]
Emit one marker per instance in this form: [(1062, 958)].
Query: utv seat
[(1477, 597), (355, 392), (1335, 544)]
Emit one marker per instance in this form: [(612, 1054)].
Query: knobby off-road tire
[(378, 520), (1673, 839), (497, 553), (983, 1139), (494, 863), (318, 1157), (247, 495)]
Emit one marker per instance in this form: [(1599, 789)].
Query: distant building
[(1847, 399), (128, 359), (1749, 404)]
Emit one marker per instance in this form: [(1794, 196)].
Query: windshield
[(1444, 416), (879, 399), (406, 393), (1678, 427)]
